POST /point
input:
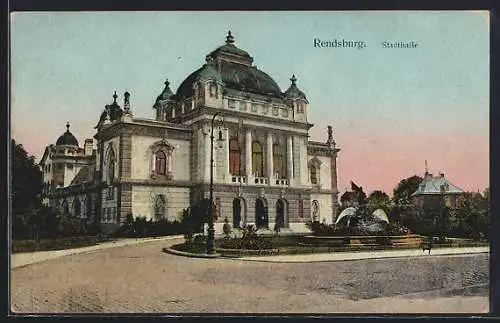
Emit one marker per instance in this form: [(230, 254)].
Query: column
[(248, 155), (169, 162), (289, 158), (269, 157), (153, 160)]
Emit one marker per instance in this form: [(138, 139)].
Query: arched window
[(257, 160), (279, 161), (161, 162), (160, 207), (314, 167), (77, 207), (111, 161), (314, 175), (234, 157)]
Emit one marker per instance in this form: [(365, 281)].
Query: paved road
[(140, 278)]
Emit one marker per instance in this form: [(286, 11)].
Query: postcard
[(315, 162)]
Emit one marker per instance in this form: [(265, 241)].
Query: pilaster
[(289, 159)]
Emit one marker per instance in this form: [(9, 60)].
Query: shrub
[(249, 240), (226, 228), (141, 227), (322, 229)]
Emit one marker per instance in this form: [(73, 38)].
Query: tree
[(406, 187), (26, 186), (471, 216), (378, 199)]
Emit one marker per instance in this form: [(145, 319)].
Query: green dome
[(67, 138)]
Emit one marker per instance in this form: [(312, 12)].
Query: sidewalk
[(27, 258), (345, 256)]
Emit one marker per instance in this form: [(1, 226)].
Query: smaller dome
[(114, 111), (166, 93), (293, 91), (67, 138)]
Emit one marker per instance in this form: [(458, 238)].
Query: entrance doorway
[(236, 213), (261, 217), (280, 213)]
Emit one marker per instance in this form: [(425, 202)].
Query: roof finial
[(167, 83), (126, 102), (330, 140), (229, 38), (426, 169), (293, 79), (115, 97), (67, 126)]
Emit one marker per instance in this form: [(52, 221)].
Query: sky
[(390, 109)]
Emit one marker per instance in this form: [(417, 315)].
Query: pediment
[(162, 144)]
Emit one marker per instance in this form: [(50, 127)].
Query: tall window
[(160, 207), (111, 165), (314, 167), (257, 160), (161, 162), (234, 157), (279, 161), (314, 174)]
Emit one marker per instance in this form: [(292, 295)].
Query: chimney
[(441, 175), (88, 146)]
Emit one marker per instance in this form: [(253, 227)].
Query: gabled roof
[(436, 185), (82, 176)]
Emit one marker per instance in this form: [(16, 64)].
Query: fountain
[(356, 225)]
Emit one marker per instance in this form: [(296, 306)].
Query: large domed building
[(266, 171)]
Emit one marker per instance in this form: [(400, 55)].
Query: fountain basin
[(407, 240)]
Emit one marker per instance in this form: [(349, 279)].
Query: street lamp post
[(211, 230)]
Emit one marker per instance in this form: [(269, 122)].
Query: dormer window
[(300, 107), (213, 90), (243, 106), (231, 103)]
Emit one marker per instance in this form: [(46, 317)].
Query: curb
[(189, 254), (357, 259)]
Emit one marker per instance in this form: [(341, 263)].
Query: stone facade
[(265, 170)]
